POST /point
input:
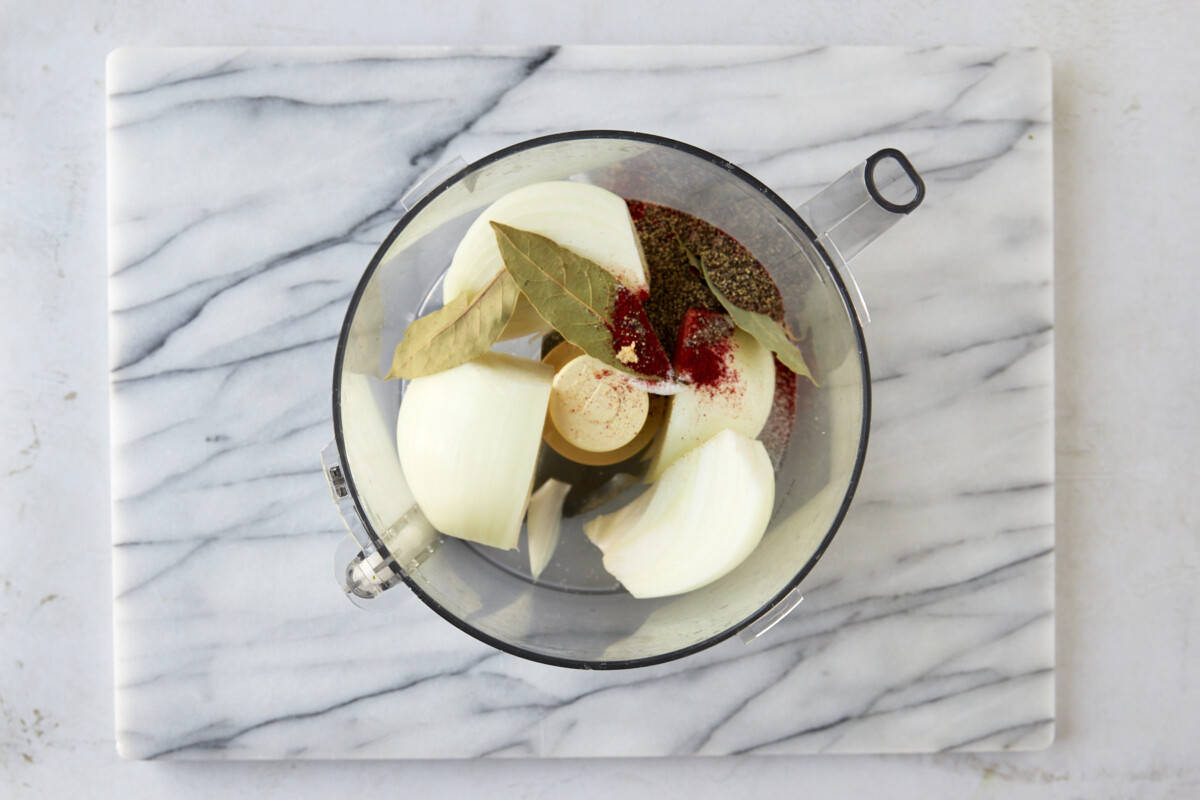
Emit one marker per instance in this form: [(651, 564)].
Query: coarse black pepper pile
[(675, 286)]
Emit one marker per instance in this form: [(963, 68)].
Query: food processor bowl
[(575, 614)]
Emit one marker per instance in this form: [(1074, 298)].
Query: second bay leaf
[(459, 331), (769, 333)]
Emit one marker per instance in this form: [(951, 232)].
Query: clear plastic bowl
[(575, 614)]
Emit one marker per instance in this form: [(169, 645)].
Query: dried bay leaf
[(769, 333), (579, 298), (459, 331)]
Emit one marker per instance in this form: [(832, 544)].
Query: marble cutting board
[(248, 188)]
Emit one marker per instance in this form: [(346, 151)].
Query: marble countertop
[(944, 564), (1128, 552)]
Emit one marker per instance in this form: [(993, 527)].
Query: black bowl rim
[(757, 185)]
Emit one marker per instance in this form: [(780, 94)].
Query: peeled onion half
[(586, 219), (741, 403), (468, 440), (705, 514)]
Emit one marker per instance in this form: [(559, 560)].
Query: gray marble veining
[(248, 188)]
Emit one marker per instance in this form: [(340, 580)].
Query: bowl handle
[(850, 213)]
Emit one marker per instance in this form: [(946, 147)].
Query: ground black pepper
[(676, 287)]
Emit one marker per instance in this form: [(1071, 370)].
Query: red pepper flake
[(637, 209), (634, 341), (703, 350)]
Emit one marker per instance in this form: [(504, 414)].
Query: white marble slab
[(248, 188)]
